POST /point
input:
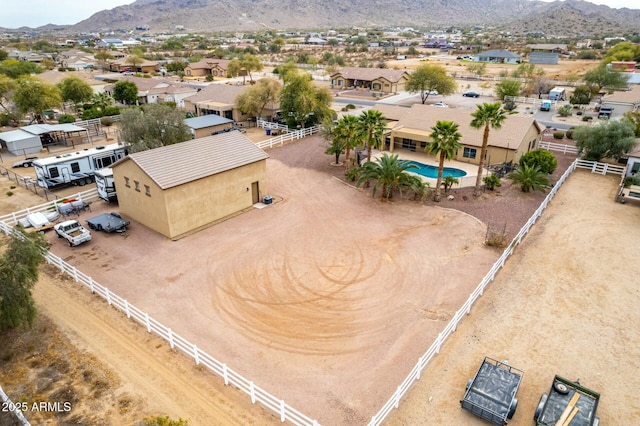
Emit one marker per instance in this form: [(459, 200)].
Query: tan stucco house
[(375, 79), (623, 101), (207, 66), (178, 189), (517, 136), (220, 99)]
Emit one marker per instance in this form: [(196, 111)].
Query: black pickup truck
[(567, 404), (491, 394)]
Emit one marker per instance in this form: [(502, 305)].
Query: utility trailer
[(491, 394), (108, 222), (567, 404), (77, 168)]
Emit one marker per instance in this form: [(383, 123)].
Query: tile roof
[(185, 162), (370, 74), (624, 97), (224, 93), (421, 118)]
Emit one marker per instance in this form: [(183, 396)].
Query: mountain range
[(558, 18)]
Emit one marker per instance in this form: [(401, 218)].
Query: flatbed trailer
[(567, 404), (491, 394), (108, 222)]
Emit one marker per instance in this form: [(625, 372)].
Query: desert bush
[(569, 133), (544, 160), (491, 182), (558, 135), (565, 111), (66, 118), (587, 118)]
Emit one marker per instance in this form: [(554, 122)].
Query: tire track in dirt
[(159, 375)]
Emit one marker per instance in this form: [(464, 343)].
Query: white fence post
[(282, 413), (225, 374), (91, 285), (252, 392), (146, 319), (108, 296), (196, 355), (170, 333), (126, 308)]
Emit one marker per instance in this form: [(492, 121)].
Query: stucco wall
[(182, 209)]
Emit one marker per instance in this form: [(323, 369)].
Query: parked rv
[(76, 168), (557, 94), (105, 184)]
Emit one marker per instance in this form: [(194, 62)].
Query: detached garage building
[(178, 189)]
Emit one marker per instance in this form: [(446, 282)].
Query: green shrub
[(569, 133), (631, 180), (544, 160), (587, 118), (66, 118), (558, 135), (350, 106), (565, 111), (164, 421), (106, 121), (62, 69), (9, 193), (353, 173), (491, 182)]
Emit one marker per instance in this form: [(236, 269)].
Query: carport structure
[(58, 133)]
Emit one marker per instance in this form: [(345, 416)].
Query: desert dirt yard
[(328, 297)]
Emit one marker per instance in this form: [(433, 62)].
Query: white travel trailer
[(76, 168), (557, 94), (105, 184)]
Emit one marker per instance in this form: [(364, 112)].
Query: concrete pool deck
[(430, 160)]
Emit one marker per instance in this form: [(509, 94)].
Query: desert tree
[(7, 86), (126, 92), (604, 78), (152, 126), (611, 140), (73, 89), (18, 274), (445, 142), (256, 98), (508, 87), (33, 95), (302, 103), (427, 78), (486, 117)]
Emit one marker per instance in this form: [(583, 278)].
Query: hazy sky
[(34, 13)]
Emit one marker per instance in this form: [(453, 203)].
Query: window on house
[(408, 144), (469, 152), (126, 182), (75, 167), (423, 145), (147, 191), (137, 185), (54, 172)]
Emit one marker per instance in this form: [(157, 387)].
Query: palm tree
[(487, 115), (347, 131), (389, 173), (529, 178), (446, 142), (371, 126), (336, 147)]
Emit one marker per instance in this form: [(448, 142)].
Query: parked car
[(27, 162), (471, 94), (440, 105), (433, 92)]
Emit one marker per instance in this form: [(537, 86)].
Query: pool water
[(432, 171)]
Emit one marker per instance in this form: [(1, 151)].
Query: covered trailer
[(557, 94), (19, 142)]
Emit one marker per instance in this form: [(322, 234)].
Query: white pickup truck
[(73, 232)]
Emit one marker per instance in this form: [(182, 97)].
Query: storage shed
[(19, 142), (178, 189)]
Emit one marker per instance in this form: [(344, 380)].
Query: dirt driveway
[(324, 298), (566, 303)]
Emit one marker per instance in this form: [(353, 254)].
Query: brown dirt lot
[(326, 298)]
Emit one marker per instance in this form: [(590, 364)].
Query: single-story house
[(220, 99), (623, 101), (153, 90), (178, 189), (498, 56), (546, 53), (517, 136), (376, 79), (206, 125)]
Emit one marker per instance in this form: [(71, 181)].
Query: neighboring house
[(623, 101), (207, 66), (181, 188), (518, 134), (206, 125), (623, 66), (152, 90), (547, 54), (220, 99), (77, 59), (498, 57), (436, 43), (124, 65), (376, 79)]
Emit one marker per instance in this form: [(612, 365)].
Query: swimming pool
[(432, 171)]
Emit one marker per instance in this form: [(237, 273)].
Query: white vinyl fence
[(257, 394), (15, 409), (289, 136), (563, 148)]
